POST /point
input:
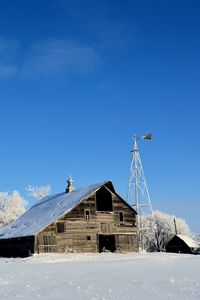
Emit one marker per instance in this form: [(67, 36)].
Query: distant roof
[(47, 211), (188, 240)]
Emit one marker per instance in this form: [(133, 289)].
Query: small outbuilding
[(89, 219), (183, 244)]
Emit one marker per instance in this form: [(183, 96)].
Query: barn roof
[(188, 241), (48, 211)]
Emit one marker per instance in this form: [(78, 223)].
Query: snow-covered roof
[(188, 240), (48, 211)]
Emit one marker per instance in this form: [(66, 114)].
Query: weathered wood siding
[(81, 235)]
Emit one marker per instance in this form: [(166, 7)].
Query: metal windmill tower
[(138, 194)]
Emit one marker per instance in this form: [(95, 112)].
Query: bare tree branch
[(39, 192)]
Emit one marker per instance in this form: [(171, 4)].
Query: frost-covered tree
[(39, 192), (196, 237), (12, 206), (156, 237)]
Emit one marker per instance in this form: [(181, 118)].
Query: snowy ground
[(101, 276)]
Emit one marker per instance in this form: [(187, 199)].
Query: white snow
[(105, 276), (189, 241)]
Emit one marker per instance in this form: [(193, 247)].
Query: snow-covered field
[(101, 276)]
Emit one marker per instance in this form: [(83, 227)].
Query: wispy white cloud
[(8, 70), (53, 56), (47, 57), (109, 34), (8, 50)]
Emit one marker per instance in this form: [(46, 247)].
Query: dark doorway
[(104, 200), (17, 247), (107, 243)]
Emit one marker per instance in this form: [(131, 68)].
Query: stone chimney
[(70, 186)]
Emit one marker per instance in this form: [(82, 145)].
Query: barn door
[(107, 243), (105, 228)]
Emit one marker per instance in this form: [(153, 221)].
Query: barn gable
[(92, 226)]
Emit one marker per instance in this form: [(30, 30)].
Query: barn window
[(47, 240), (104, 200), (121, 216), (60, 227), (87, 214)]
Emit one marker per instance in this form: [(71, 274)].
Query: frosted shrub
[(11, 207), (156, 238)]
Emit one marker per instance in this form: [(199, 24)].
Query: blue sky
[(78, 78)]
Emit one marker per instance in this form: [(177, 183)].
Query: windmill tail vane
[(147, 136)]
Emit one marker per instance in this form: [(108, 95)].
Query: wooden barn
[(183, 244), (91, 219)]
